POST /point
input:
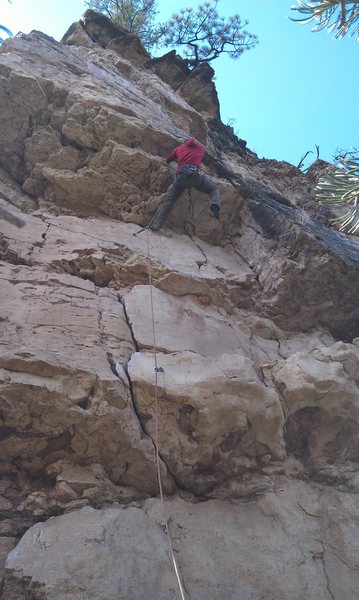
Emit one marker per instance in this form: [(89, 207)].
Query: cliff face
[(256, 321)]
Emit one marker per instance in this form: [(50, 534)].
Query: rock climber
[(189, 156)]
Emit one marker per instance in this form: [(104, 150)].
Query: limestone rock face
[(106, 554), (101, 30), (63, 364), (170, 67), (199, 91), (227, 350), (195, 86), (217, 420)]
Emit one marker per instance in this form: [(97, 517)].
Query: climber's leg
[(173, 194), (203, 184)]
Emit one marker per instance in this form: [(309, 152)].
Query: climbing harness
[(158, 370), (188, 170)]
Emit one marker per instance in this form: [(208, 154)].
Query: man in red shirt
[(189, 156)]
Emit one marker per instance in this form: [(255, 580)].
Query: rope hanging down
[(157, 370), (191, 216)]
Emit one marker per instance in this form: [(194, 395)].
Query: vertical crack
[(322, 558), (263, 377), (44, 235), (111, 361), (199, 263), (133, 397), (102, 340), (138, 415), (249, 265), (99, 320), (125, 368), (129, 324), (39, 244), (282, 400), (279, 349)]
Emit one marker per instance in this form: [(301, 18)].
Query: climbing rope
[(156, 442), (191, 217)]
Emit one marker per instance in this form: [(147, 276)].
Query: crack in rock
[(133, 397), (322, 558)]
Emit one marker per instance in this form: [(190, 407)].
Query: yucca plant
[(342, 15), (340, 186)]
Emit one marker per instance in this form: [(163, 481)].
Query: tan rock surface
[(122, 547), (321, 407), (284, 546), (64, 348), (256, 323), (217, 421)]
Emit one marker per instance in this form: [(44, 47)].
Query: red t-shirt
[(189, 153)]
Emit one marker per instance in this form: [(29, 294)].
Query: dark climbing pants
[(182, 182)]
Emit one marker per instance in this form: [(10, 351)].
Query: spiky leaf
[(339, 15), (340, 186)]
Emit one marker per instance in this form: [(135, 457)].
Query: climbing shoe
[(215, 210)]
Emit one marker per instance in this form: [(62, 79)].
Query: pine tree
[(137, 16), (205, 35)]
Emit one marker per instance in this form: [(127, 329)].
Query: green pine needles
[(205, 35), (137, 16), (340, 186)]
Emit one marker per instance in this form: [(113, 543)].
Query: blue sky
[(294, 90)]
